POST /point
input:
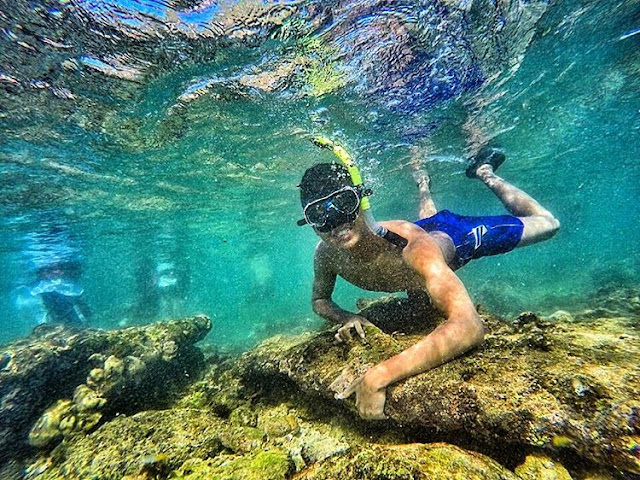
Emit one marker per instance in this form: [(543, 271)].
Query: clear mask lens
[(338, 204)]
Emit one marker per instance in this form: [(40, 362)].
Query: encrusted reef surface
[(558, 384), (542, 398), (561, 384), (61, 382)]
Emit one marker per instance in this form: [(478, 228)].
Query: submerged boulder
[(532, 383), (539, 399), (538, 467), (436, 461), (271, 413), (194, 444), (150, 441), (59, 382)]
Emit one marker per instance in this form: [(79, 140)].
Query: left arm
[(461, 331)]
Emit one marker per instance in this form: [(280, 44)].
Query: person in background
[(54, 253), (162, 276), (61, 293)]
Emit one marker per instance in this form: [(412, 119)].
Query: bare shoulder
[(402, 227), (420, 246), (413, 233), (322, 249), (324, 255)]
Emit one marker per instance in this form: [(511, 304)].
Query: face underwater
[(344, 236), (333, 210)]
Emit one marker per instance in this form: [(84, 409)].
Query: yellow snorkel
[(356, 178), (347, 161)]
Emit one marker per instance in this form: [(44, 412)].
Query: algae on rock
[(434, 461), (70, 379), (538, 467), (271, 413), (261, 465), (556, 386)]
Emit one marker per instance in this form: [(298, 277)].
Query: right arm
[(324, 282)]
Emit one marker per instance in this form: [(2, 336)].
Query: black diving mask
[(337, 208)]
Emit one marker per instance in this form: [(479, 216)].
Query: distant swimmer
[(54, 253), (62, 296), (397, 255)]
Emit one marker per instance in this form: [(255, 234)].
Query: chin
[(344, 237)]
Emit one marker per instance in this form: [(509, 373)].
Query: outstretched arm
[(461, 331)]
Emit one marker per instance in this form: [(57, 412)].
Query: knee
[(538, 229), (548, 228)]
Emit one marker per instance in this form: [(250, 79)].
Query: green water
[(212, 186)]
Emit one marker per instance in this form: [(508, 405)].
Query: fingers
[(359, 329), (370, 405), (344, 332), (350, 390)]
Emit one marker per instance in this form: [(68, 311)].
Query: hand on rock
[(369, 400), (357, 322)]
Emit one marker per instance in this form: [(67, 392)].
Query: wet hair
[(323, 179)]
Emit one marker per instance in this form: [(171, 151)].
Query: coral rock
[(87, 365), (538, 467), (577, 382)]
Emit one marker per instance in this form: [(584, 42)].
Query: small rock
[(539, 467), (560, 316), (47, 429), (113, 367), (86, 399)]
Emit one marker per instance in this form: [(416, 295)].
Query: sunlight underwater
[(151, 153)]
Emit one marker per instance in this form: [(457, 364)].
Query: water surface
[(136, 137)]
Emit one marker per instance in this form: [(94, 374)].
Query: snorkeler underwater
[(296, 239)]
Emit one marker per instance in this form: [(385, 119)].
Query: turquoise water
[(136, 178)]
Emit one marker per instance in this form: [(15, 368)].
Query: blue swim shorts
[(476, 237)]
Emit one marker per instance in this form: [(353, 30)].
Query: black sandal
[(487, 155)]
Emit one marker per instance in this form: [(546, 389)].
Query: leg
[(427, 205), (539, 223)]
